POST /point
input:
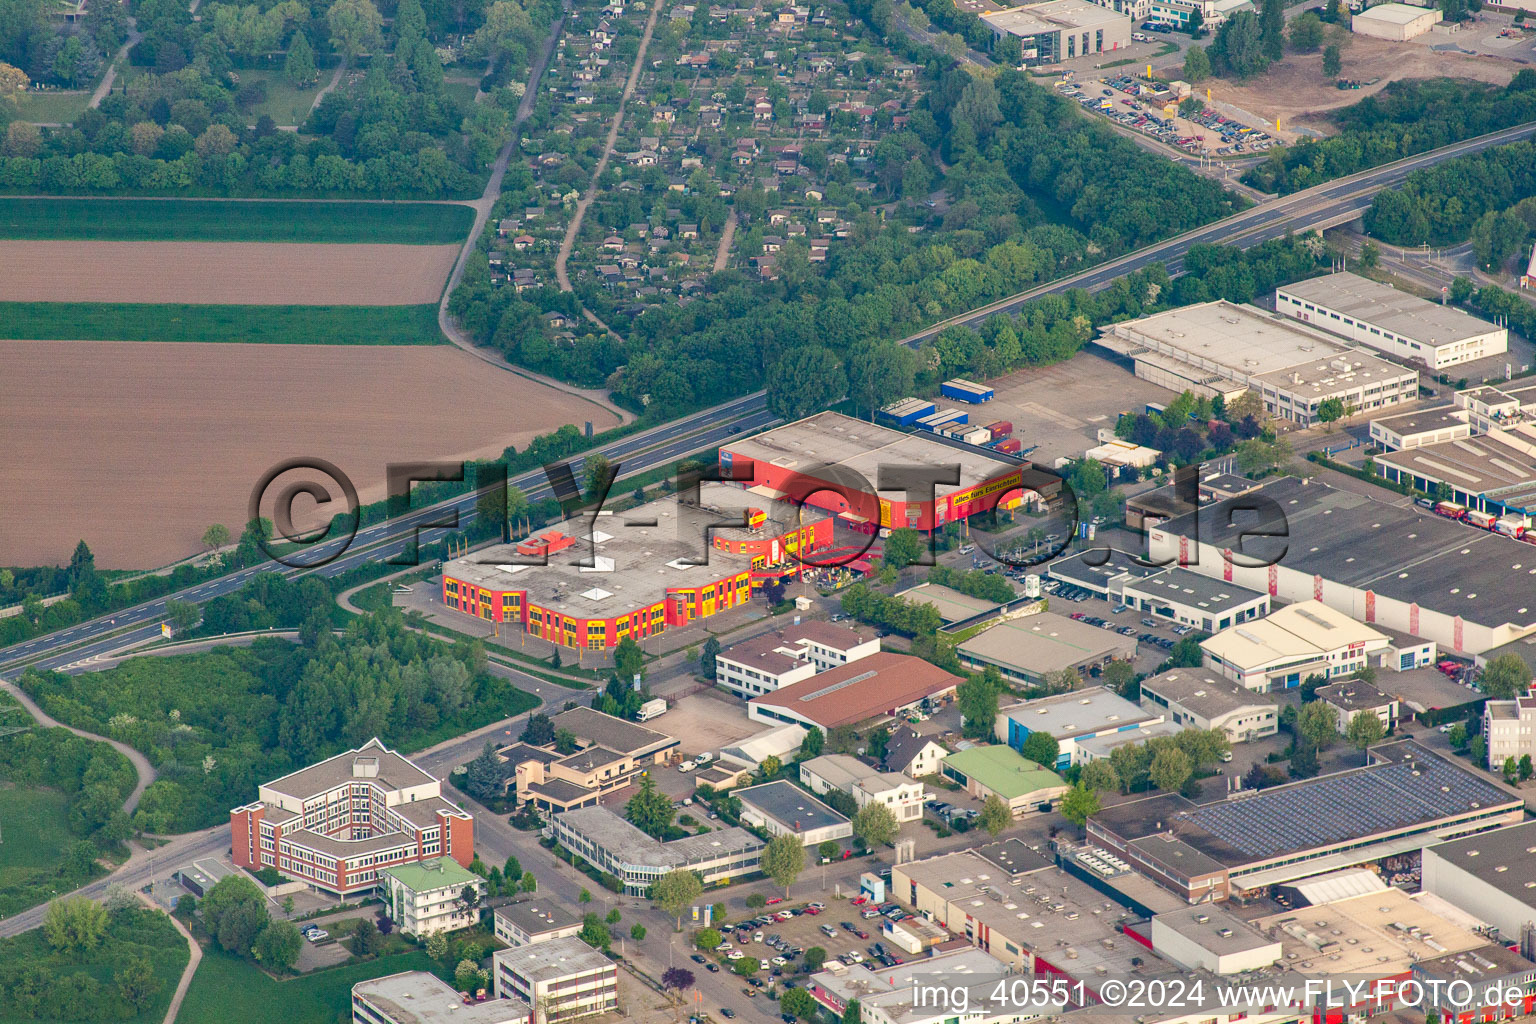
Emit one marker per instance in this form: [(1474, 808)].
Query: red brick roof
[(876, 685)]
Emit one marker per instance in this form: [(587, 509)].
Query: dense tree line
[(1405, 118), (1441, 205), (114, 968), (909, 618), (52, 52), (217, 724)]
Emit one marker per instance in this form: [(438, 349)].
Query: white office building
[(1385, 318), (773, 661), (866, 785), (562, 979), (426, 897), (1298, 641), (1509, 728), (1199, 698)]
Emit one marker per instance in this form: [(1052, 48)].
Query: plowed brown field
[(137, 447), (224, 273)]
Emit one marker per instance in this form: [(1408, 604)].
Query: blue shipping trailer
[(966, 391), (943, 418), (908, 411)]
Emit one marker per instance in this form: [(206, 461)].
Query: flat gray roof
[(951, 605), (1189, 588), (1359, 541), (419, 997), (1381, 305), (1065, 715), (1203, 692), (557, 958), (1478, 465), (1051, 16), (832, 438), (789, 805), (593, 727), (537, 916), (1215, 929), (1436, 417), (607, 830), (634, 556), (1501, 858), (1353, 695), (1095, 568), (1046, 642)]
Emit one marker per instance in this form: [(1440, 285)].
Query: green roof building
[(428, 896), (1001, 771)]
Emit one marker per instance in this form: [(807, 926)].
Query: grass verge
[(224, 982), (204, 220), (267, 325)]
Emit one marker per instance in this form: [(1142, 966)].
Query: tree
[(1505, 677), (1306, 33), (1256, 457), (182, 615), (676, 978), (782, 860), (650, 810), (299, 65), (234, 912), (797, 1002), (1317, 724), (827, 849), (1457, 736), (585, 896), (1120, 676), (1370, 256), (852, 1014), (675, 891), (1080, 803), (1272, 28), (747, 966), (1364, 729), (637, 932), (136, 981), (467, 977), (530, 883), (1100, 776), (506, 27), (875, 824), (437, 946), (538, 731), (811, 745), (879, 373), (1477, 750), (995, 815), (278, 945), (1238, 48), (355, 25), (805, 380), (1331, 409), (595, 933), (366, 940), (613, 916), (814, 958), (1525, 767), (74, 924), (628, 660), (216, 536), (1197, 64), (707, 657), (770, 766), (1511, 769), (977, 698), (1041, 748), (1333, 61), (904, 547), (1170, 769), (756, 901), (708, 939)]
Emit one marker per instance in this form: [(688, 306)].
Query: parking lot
[(1137, 104), (847, 930)]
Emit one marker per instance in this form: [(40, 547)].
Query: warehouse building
[(611, 844), (1194, 600), (1059, 30), (951, 605), (1493, 473), (1404, 799), (589, 583), (1071, 718), (1345, 549), (1491, 875), (1002, 772), (1200, 699), (833, 462), (783, 809), (1101, 571), (1397, 22), (1208, 938), (891, 995), (1026, 650), (879, 686), (1298, 641), (1383, 317), (1221, 348)]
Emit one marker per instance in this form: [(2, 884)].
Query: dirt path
[(602, 162), (134, 35), (727, 238), (330, 86), (194, 958), (483, 207), (141, 765)]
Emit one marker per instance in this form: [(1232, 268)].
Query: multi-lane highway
[(1325, 205)]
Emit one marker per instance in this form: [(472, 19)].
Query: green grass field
[(204, 220), (267, 325), (227, 988), (284, 104), (53, 107), (35, 834), (464, 92)]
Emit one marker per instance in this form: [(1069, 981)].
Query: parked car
[(727, 1013), (699, 958)]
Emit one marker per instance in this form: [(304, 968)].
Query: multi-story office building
[(339, 823), (427, 897), (613, 845), (419, 997), (562, 979)]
